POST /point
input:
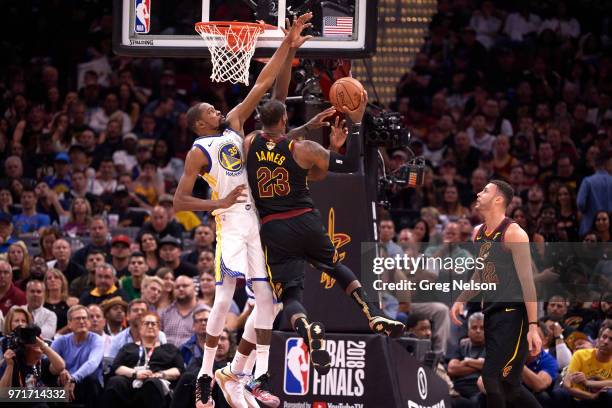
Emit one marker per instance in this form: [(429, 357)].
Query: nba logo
[(142, 20), (297, 367)]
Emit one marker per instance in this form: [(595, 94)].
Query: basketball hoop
[(231, 45)]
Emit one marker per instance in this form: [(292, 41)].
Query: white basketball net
[(231, 49)]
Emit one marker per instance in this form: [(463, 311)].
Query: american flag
[(337, 26)]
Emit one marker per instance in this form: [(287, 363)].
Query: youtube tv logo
[(319, 404)]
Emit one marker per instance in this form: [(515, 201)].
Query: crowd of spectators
[(519, 92)]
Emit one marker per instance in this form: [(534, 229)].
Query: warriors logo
[(230, 158)]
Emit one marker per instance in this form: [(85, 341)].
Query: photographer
[(24, 365)]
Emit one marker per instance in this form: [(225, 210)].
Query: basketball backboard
[(157, 28)]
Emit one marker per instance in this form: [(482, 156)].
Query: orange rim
[(235, 26)]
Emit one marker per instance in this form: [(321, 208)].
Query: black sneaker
[(202, 391), (260, 389), (381, 324), (320, 358)]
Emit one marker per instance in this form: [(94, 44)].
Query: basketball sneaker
[(202, 392), (248, 397), (259, 388), (231, 386), (320, 358), (381, 324)]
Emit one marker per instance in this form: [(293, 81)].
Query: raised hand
[(338, 134), (318, 120), (293, 32), (357, 115)]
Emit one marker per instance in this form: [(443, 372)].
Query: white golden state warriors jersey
[(226, 169)]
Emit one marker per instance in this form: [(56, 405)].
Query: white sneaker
[(232, 387), (248, 397)]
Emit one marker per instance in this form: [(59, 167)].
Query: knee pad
[(342, 274)]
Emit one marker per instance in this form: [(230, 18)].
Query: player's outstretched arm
[(183, 198), (281, 86), (237, 116)]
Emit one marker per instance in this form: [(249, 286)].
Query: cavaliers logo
[(229, 157), (506, 371), (484, 250), (339, 240)]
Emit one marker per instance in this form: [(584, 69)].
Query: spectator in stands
[(29, 221), (553, 343), (451, 207), (9, 293), (605, 313), (601, 226), (486, 24), (420, 233), (81, 186), (99, 240), (206, 297), (594, 193), (82, 351), (87, 282), (155, 371), (556, 308), (206, 262), (479, 137), (98, 324), (589, 375), (177, 319), (152, 287), (43, 317), (136, 309), (149, 246), (137, 268), (535, 202), (101, 117), (562, 24), (47, 237), (170, 254), (147, 184), (114, 310), (171, 167), (57, 299), (106, 179), (187, 219), (79, 218), (120, 254), (431, 216), (466, 364), (386, 234), (6, 232), (105, 278), (167, 295), (61, 253), (567, 216), (125, 159), (203, 238), (161, 225), (17, 316), (539, 375), (30, 365), (122, 198), (522, 23), (194, 347), (19, 259), (184, 395)]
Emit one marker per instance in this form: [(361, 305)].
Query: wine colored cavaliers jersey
[(226, 169), (499, 269), (277, 182)]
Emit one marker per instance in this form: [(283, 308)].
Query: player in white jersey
[(217, 156)]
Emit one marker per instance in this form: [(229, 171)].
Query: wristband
[(134, 374), (536, 323)]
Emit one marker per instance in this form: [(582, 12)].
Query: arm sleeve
[(94, 360), (564, 355), (348, 162)]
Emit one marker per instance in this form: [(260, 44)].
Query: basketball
[(347, 92)]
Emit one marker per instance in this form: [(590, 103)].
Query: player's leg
[(285, 263), (322, 254), (229, 264), (506, 354)]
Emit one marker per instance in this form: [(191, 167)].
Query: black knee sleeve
[(292, 301)]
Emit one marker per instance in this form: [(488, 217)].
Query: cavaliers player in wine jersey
[(511, 319), (217, 156), (292, 230)]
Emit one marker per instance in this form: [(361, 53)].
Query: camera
[(20, 337)]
